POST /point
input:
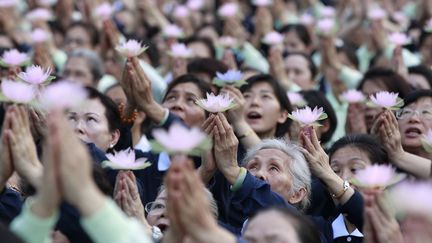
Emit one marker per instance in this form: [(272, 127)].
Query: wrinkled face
[(117, 95), (292, 43), (347, 160), (181, 101), (76, 38), (156, 212), (272, 166), (270, 226), (414, 122), (297, 69), (371, 87), (77, 69), (91, 124), (262, 109), (418, 81)]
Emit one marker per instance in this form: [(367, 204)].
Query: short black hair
[(203, 40), (317, 98), (422, 70), (365, 142), (311, 65), (301, 32), (280, 94), (392, 80), (350, 52), (206, 65), (416, 95), (203, 86)]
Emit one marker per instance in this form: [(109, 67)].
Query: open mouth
[(413, 132), (254, 115), (162, 226)]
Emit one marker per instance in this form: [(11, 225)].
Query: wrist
[(89, 200), (231, 173), (43, 208)]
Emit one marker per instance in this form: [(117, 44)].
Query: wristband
[(249, 132), (165, 118), (346, 186), (240, 178)]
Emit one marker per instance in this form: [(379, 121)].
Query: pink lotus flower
[(39, 36), (35, 75), (412, 198), (195, 5), (172, 31), (180, 139), (273, 38), (377, 177), (62, 95), (216, 103), (231, 77), (17, 92), (427, 141), (399, 38), (262, 3), (180, 50), (307, 19), (428, 26), (8, 3), (326, 26), (131, 48), (400, 17), (104, 11), (353, 96), (296, 99), (181, 11), (125, 160), (307, 116), (228, 42), (327, 12), (227, 10), (14, 58), (39, 14), (385, 99), (377, 13)]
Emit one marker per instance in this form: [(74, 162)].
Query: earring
[(111, 146)]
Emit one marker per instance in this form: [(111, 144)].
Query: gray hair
[(298, 169), (94, 61)]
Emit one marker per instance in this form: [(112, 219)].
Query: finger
[(207, 123), (220, 128), (314, 139), (133, 189)]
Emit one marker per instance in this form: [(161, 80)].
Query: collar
[(339, 228), (164, 162)]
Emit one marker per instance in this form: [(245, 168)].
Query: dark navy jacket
[(10, 205)]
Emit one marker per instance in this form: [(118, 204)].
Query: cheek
[(151, 219), (280, 182), (194, 115)]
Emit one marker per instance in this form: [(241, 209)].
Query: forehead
[(350, 152), (77, 31), (261, 87), (273, 154), (77, 63), (422, 102), (272, 223), (372, 86), (90, 106), (296, 61), (187, 88)]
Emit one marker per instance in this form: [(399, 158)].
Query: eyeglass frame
[(147, 207), (418, 112)]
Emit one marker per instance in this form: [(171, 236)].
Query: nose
[(254, 100), (260, 174), (415, 117), (346, 174), (177, 106), (79, 127)]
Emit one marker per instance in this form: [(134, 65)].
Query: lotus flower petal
[(327, 12), (296, 99), (377, 13), (306, 19), (173, 31), (35, 75), (181, 11), (18, 92), (195, 4), (8, 3), (228, 42), (307, 116), (125, 160), (216, 103), (104, 11), (262, 3), (131, 48), (180, 50), (39, 14), (231, 77), (427, 141), (39, 36), (377, 177), (228, 10), (412, 198), (14, 58), (385, 99), (353, 96), (273, 38), (399, 38), (326, 26), (400, 17), (180, 139), (428, 26), (62, 95)]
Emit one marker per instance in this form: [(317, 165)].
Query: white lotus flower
[(228, 10), (399, 38), (172, 31), (231, 77), (180, 50), (104, 11), (14, 58), (387, 100), (273, 38), (296, 99), (39, 36), (216, 103), (125, 160), (131, 48), (307, 116), (353, 96), (39, 14), (377, 177)]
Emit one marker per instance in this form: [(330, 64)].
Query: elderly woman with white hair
[(275, 172)]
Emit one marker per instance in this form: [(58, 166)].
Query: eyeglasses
[(154, 207), (408, 113)]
